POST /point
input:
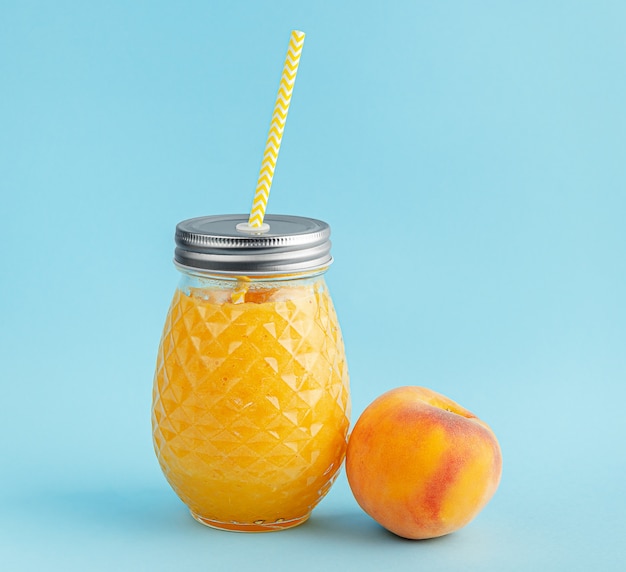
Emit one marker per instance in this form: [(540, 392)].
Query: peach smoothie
[(251, 401)]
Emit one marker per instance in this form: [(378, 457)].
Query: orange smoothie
[(251, 402)]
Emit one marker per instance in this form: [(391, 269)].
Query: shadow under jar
[(251, 399)]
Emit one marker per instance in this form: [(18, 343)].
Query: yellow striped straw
[(241, 289), (281, 108)]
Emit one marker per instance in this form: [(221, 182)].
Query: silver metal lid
[(214, 244)]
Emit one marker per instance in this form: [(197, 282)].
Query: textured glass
[(251, 402)]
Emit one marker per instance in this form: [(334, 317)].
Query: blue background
[(470, 157)]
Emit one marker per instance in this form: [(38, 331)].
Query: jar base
[(258, 526)]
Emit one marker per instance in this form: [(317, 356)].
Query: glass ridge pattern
[(251, 404)]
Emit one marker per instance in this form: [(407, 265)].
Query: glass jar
[(251, 395)]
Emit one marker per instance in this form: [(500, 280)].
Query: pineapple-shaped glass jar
[(251, 396)]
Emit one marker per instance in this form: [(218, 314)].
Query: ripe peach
[(420, 464)]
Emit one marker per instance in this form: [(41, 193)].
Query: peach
[(420, 464)]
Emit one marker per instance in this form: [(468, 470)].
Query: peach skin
[(420, 464)]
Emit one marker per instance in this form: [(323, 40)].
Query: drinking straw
[(241, 289), (279, 117)]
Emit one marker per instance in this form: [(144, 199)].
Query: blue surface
[(470, 157)]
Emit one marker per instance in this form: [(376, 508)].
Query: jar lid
[(220, 244)]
